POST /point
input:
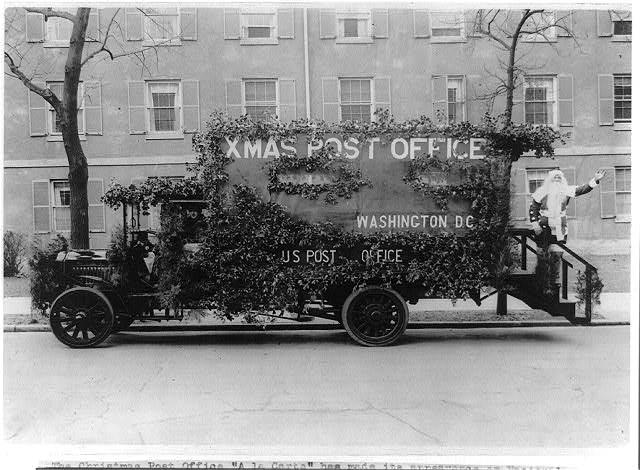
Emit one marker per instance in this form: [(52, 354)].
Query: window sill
[(365, 40), (58, 138), (621, 126), (621, 38), (258, 42), (164, 136), (445, 40), (168, 43), (623, 219), (55, 44), (541, 40)]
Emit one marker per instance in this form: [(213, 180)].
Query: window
[(535, 178), (161, 26), (61, 206), (541, 27), (355, 99), (259, 26), (354, 26), (260, 99), (622, 98), (447, 26), (455, 99), (621, 24), (164, 108), (623, 192), (540, 101), (53, 120), (58, 30)]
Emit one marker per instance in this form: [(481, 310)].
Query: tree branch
[(103, 47), (46, 93), (51, 13)]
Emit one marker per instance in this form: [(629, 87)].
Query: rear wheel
[(375, 316), (81, 317)]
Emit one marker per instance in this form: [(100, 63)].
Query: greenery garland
[(345, 178), (238, 268)]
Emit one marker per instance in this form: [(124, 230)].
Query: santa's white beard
[(555, 199)]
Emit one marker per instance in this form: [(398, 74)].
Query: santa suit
[(549, 204)]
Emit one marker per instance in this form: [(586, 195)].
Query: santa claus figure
[(548, 211)]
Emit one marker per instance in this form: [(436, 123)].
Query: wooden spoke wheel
[(375, 316), (81, 317)]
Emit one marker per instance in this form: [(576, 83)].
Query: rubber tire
[(105, 327), (361, 295)]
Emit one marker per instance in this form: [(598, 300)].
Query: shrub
[(581, 288), (46, 283), (14, 250)]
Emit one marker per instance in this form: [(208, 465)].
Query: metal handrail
[(523, 234)]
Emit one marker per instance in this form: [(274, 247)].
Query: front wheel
[(375, 316), (81, 317)]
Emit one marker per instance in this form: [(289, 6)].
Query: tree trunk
[(78, 168)]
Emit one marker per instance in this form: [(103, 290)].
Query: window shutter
[(327, 24), (470, 24), (570, 175), (37, 113), (93, 107), (380, 20), (231, 23), (285, 23), (605, 24), (137, 108), (439, 97), (608, 194), (382, 93), (35, 27), (95, 190), (421, 24), (330, 99), (565, 100), (41, 206), (287, 99), (517, 113), (233, 94), (565, 19), (93, 26), (520, 199), (189, 24), (475, 107), (134, 24), (144, 220), (605, 99), (191, 105)]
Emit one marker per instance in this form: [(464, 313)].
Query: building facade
[(136, 119)]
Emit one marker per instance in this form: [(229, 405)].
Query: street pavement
[(516, 391)]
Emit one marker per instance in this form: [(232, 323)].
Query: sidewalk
[(614, 309)]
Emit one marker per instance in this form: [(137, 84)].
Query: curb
[(331, 326)]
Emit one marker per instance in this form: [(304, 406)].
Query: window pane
[(62, 218), (350, 28), (623, 179), (622, 28), (259, 31), (250, 91), (261, 113), (164, 119), (623, 203), (270, 91)]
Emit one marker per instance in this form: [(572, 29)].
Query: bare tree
[(507, 28), (111, 46)]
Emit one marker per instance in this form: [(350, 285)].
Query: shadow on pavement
[(336, 337)]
